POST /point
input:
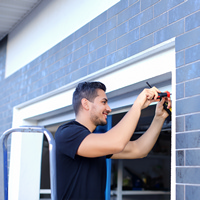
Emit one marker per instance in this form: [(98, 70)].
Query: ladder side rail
[(52, 163), (4, 174), (52, 156)]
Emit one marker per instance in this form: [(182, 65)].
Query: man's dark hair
[(86, 90)]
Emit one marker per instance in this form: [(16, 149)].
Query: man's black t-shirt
[(78, 178)]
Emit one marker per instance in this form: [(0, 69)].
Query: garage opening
[(147, 178)]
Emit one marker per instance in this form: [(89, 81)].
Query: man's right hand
[(146, 97)]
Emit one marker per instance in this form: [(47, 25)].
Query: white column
[(25, 166)]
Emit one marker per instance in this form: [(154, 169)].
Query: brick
[(180, 58), (140, 45), (44, 73), (50, 87), (91, 57), (141, 18), (192, 21), (110, 47), (33, 63), (129, 12), (165, 5), (188, 39), (188, 175), (5, 127), (57, 75), (82, 41), (106, 49), (6, 99), (49, 61), (31, 95), (189, 105), (180, 192), (80, 52), (52, 51), (169, 32), (64, 81), (183, 10), (188, 140), (83, 61), (117, 8), (180, 91), (71, 48), (97, 43), (117, 32), (66, 60), (180, 124), (54, 67), (2, 75), (90, 36), (192, 87), (188, 72), (145, 4), (98, 65), (106, 26), (44, 56), (77, 74), (60, 54), (153, 25), (192, 121), (192, 54), (68, 40), (116, 56), (81, 31), (132, 1), (192, 192), (36, 77), (179, 158), (128, 38), (98, 20), (192, 158), (71, 67)]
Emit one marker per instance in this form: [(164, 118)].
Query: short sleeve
[(109, 156), (69, 139)]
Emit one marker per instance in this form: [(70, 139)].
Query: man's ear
[(85, 103)]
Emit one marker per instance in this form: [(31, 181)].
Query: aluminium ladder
[(52, 157)]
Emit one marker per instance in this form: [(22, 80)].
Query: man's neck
[(85, 123)]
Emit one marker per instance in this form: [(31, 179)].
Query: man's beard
[(97, 121)]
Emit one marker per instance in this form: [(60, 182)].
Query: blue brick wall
[(188, 93), (127, 28)]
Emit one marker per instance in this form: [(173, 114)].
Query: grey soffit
[(12, 12)]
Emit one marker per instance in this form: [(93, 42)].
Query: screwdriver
[(163, 94)]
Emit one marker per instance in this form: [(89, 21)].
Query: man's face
[(99, 109)]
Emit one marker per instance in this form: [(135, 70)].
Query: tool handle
[(163, 94), (165, 107)]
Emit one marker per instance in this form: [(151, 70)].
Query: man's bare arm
[(143, 145), (116, 139)]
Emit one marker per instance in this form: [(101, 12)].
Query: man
[(81, 154)]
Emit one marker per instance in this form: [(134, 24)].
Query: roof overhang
[(12, 12)]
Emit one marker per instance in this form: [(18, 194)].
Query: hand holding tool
[(163, 94)]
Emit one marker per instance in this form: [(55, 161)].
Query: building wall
[(48, 24), (127, 28)]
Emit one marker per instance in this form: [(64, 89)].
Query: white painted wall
[(25, 166), (51, 22)]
